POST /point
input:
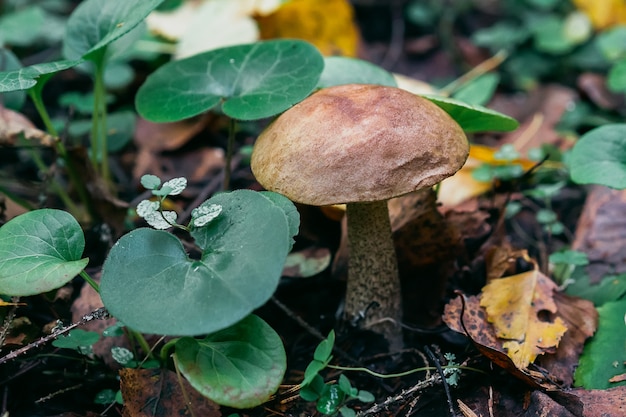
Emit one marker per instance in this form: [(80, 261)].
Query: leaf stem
[(229, 154), (401, 374), (90, 281)]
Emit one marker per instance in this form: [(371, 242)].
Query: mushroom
[(361, 145)]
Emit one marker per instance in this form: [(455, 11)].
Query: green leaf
[(474, 118), (22, 27), (599, 157), (342, 70), (312, 390), (325, 348), (312, 371), (148, 272), (611, 288), (612, 43), (40, 251), (27, 77), (94, 24), (616, 80), (550, 36), (569, 257), (291, 212), (504, 35), (331, 399), (603, 356), (9, 62), (480, 90), (76, 339), (240, 366), (251, 81)]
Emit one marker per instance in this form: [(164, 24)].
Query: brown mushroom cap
[(358, 143)]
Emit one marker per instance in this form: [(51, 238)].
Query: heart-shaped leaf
[(150, 284), (599, 157), (40, 251), (474, 118), (240, 366), (251, 81), (27, 77), (94, 24), (340, 70)]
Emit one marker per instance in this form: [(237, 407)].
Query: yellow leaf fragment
[(603, 13), (514, 305), (327, 24)]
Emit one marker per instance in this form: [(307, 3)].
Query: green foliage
[(330, 399), (77, 339), (341, 70), (243, 251), (240, 366), (95, 24), (610, 288), (249, 81), (599, 157), (603, 356), (40, 251), (474, 118)]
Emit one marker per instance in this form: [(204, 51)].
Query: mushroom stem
[(373, 290)]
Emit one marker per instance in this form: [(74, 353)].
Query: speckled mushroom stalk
[(361, 145), (373, 294)]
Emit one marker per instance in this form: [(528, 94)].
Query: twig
[(98, 314), (8, 320), (446, 387), (377, 408)]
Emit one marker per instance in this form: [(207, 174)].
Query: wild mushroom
[(361, 145)]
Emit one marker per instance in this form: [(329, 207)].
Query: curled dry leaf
[(14, 126)]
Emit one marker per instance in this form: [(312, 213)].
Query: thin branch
[(98, 314)]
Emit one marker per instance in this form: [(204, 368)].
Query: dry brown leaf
[(514, 305), (327, 24), (465, 315), (14, 126), (158, 392)]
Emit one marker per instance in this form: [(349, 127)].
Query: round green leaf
[(94, 24), (599, 157), (40, 251), (617, 77), (22, 27), (603, 356), (341, 70), (474, 118), (251, 81), (27, 77), (151, 285), (9, 62), (240, 366)]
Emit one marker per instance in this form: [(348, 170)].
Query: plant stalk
[(230, 149), (373, 297)]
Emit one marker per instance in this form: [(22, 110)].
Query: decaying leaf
[(327, 24), (158, 392), (514, 305), (15, 127)]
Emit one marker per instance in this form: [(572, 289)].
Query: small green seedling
[(330, 399)]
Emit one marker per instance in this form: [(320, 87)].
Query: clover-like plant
[(151, 284)]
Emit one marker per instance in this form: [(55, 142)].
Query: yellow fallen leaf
[(327, 24), (462, 186), (603, 13), (513, 306)]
